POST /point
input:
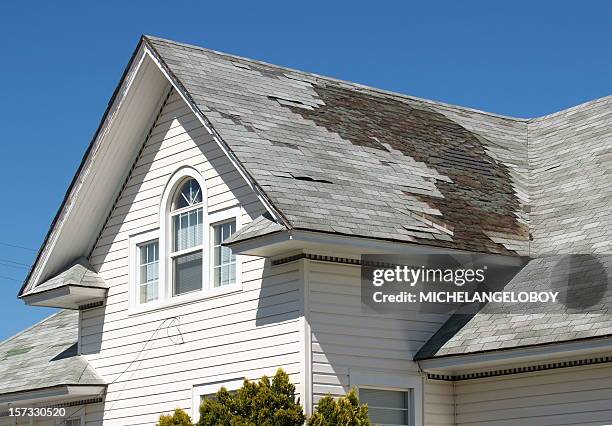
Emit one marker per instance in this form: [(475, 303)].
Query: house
[(215, 227)]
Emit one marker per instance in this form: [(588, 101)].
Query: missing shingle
[(378, 144), (241, 65), (311, 179), (290, 102), (285, 145), (303, 178)]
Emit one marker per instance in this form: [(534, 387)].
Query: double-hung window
[(148, 272), (186, 252), (388, 407), (223, 261)]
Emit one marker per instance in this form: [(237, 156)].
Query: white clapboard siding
[(571, 396), (439, 403), (345, 339), (248, 333)]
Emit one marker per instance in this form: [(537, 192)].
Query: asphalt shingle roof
[(338, 157), (343, 158), (79, 273), (45, 356), (584, 309)]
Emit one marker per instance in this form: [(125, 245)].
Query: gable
[(177, 139)]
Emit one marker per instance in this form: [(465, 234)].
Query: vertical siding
[(244, 334), (345, 339), (572, 396)]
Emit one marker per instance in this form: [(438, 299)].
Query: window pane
[(148, 272), (386, 407), (148, 292), (73, 422), (224, 261), (187, 228), (381, 416), (188, 194), (187, 273), (384, 398)]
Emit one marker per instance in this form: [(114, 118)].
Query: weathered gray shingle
[(79, 273), (343, 158), (45, 355), (584, 309)]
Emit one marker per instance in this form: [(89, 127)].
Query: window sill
[(185, 299)]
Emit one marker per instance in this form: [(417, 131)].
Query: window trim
[(135, 242), (210, 388), (409, 394), (217, 218), (166, 214), (411, 383)]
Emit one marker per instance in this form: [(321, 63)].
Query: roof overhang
[(104, 167), (54, 394), (67, 296), (286, 241), (507, 358)]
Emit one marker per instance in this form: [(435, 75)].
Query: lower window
[(187, 272), (387, 407), (75, 421)]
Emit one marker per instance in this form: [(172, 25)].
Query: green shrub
[(345, 411), (255, 404), (178, 418)]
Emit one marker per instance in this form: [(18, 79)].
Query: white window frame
[(218, 218), (164, 236), (135, 242), (413, 384), (198, 391)]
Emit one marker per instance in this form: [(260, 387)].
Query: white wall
[(245, 334), (347, 342), (439, 403), (570, 396)]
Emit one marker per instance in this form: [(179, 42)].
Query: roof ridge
[(355, 85)]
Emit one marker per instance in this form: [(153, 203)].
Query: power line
[(8, 265), (2, 259), (10, 278), (17, 246)]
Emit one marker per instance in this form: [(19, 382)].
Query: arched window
[(184, 257), (186, 237)]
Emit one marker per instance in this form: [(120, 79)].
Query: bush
[(255, 404), (178, 418), (344, 411)]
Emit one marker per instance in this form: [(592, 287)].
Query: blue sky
[(60, 62)]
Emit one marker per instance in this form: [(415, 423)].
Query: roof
[(79, 273), (342, 158), (584, 311), (260, 226), (44, 356)]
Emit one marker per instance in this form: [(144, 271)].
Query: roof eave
[(455, 363), (52, 393), (284, 241), (68, 296), (84, 159)]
